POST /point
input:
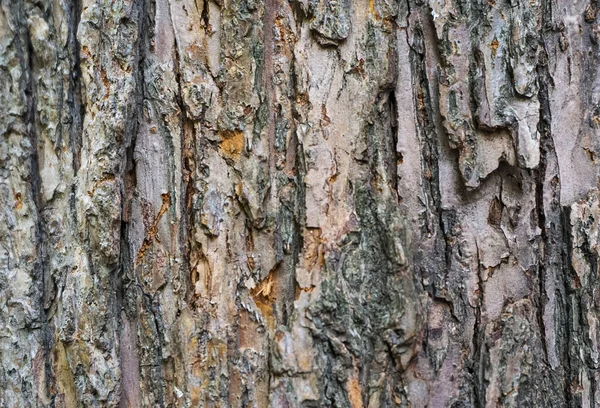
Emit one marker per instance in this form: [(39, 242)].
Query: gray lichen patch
[(330, 20)]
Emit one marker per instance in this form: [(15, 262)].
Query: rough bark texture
[(299, 203)]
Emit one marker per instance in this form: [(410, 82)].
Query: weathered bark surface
[(299, 203)]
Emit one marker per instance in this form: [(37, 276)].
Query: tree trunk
[(299, 203)]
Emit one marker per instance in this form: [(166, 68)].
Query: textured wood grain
[(299, 203)]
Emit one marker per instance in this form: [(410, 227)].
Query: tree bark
[(299, 203)]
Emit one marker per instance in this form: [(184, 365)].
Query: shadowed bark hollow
[(299, 203)]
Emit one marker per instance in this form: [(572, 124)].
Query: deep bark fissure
[(570, 366), (544, 129), (75, 99)]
